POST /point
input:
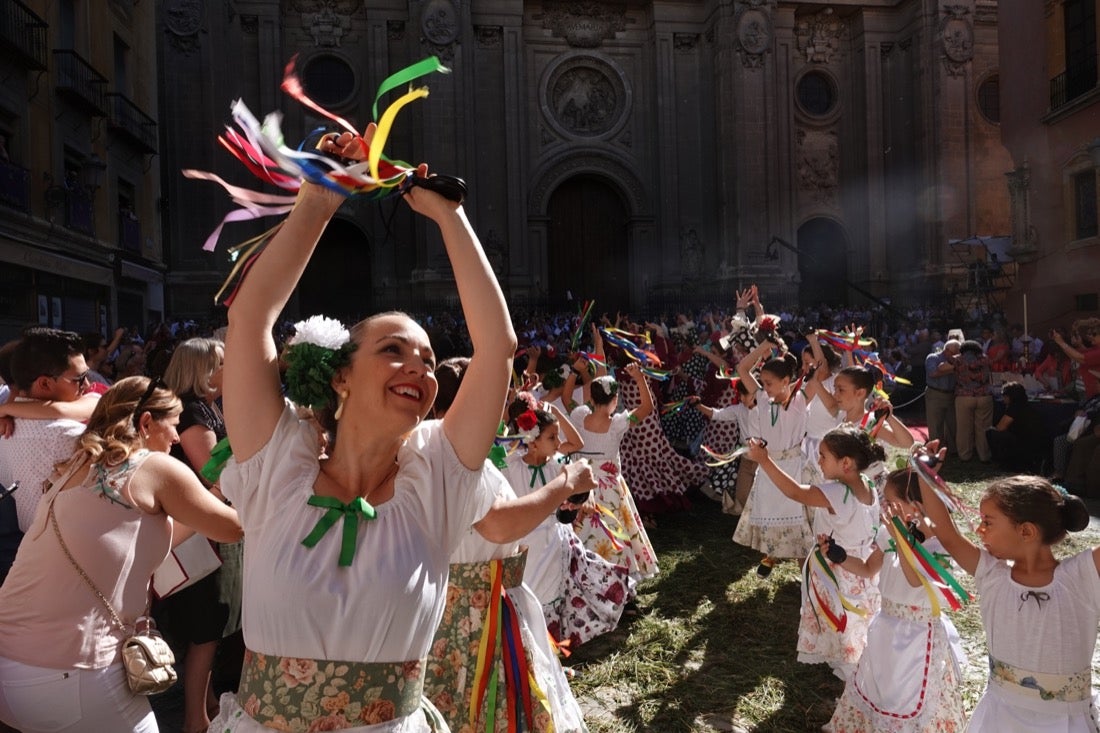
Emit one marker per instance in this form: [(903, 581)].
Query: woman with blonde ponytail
[(109, 513)]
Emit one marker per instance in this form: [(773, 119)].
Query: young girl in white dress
[(582, 595), (819, 366), (610, 525), (845, 511), (773, 523), (907, 680), (742, 412), (1040, 612)]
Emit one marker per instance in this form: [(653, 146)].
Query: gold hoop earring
[(341, 397)]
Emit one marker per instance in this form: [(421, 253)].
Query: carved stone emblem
[(819, 36), (488, 36), (818, 165), (754, 33), (691, 253), (585, 96), (958, 38), (439, 28), (183, 17), (583, 24)]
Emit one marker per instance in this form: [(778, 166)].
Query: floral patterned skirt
[(818, 641), (454, 657), (774, 541), (614, 529), (593, 598)]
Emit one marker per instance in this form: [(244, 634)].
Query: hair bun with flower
[(527, 426), (319, 348)]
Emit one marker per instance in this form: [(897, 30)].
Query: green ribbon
[(406, 75), (351, 512), (499, 456), (219, 456), (536, 471)]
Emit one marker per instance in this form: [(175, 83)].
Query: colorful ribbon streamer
[(933, 575), (671, 408), (582, 319), (621, 338), (501, 638), (721, 459), (832, 605)]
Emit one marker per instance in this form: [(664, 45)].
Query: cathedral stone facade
[(645, 154)]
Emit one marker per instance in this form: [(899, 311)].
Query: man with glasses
[(46, 365)]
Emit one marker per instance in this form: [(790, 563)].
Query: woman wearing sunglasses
[(101, 529)]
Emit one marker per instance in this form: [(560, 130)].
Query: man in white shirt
[(46, 364)]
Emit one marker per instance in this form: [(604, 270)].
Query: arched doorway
[(587, 253), (337, 281), (822, 263)]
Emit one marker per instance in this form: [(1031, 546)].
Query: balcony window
[(23, 34), (78, 81), (1079, 26)]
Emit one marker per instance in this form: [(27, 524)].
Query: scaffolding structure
[(979, 275)]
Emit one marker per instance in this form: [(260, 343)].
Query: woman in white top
[(353, 607)]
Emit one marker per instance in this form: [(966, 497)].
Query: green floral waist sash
[(473, 576), (1041, 685), (299, 695)]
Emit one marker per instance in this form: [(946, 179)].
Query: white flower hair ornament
[(319, 348)]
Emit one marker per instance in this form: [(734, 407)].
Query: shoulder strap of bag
[(103, 599)]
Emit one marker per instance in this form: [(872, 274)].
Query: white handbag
[(189, 562)]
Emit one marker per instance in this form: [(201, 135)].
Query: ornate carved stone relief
[(183, 21), (958, 38), (819, 36), (488, 36), (583, 24), (754, 31), (818, 158), (439, 28), (585, 96), (326, 21), (1025, 238), (395, 30), (685, 41), (691, 253), (250, 24)]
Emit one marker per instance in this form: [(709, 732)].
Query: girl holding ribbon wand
[(354, 607), (1040, 611), (771, 522), (582, 594), (836, 604), (907, 680)]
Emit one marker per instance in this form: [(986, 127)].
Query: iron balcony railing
[(80, 210), (15, 186), (128, 119), (80, 82), (23, 34), (1072, 83)]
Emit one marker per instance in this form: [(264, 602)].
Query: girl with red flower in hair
[(582, 594)]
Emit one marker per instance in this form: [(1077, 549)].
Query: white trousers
[(42, 700)]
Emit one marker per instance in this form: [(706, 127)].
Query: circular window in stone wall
[(329, 80), (585, 96), (817, 93), (989, 98)]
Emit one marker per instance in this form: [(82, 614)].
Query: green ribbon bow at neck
[(351, 512), (536, 472)]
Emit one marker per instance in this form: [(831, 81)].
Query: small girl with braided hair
[(1040, 611), (845, 509), (582, 595), (907, 680)]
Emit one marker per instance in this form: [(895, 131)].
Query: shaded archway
[(822, 263), (337, 281), (587, 254)]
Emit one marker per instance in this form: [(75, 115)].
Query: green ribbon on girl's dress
[(536, 472), (357, 507)]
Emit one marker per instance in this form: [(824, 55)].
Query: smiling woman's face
[(392, 373)]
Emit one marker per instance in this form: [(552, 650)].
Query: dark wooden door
[(587, 245), (822, 263), (337, 281)]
